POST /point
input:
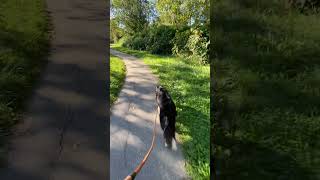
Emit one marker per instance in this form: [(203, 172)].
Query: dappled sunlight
[(65, 97)]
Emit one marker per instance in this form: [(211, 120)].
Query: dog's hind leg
[(168, 136), (174, 144), (162, 120)]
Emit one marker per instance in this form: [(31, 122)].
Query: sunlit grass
[(117, 76)]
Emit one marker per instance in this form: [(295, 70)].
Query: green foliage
[(137, 41), (171, 12), (266, 94), (159, 39), (116, 32), (183, 12), (132, 14), (198, 45), (24, 43), (192, 43), (117, 76), (306, 6), (179, 42), (7, 117), (180, 28), (155, 39)]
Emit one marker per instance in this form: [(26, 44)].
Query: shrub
[(162, 39), (267, 90), (198, 44), (6, 119), (159, 39), (116, 32), (155, 39), (306, 5), (136, 42), (179, 42)]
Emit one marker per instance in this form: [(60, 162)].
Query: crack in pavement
[(68, 121)]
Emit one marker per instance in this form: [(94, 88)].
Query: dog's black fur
[(167, 115)]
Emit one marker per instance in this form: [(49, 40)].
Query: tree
[(115, 31), (171, 13), (184, 12), (132, 14)]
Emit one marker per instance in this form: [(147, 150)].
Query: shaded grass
[(267, 94), (117, 76), (188, 83), (24, 42)]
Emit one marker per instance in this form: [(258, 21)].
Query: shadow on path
[(64, 133)]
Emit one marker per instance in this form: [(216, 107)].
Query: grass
[(267, 100), (117, 76), (188, 83), (24, 44)]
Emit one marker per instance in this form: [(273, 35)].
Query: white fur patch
[(174, 145)]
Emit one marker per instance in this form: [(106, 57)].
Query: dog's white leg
[(174, 144)]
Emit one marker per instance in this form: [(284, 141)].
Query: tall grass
[(117, 76), (24, 43), (267, 93)]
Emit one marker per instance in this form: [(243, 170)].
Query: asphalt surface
[(64, 133), (131, 129)]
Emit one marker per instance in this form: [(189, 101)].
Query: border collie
[(167, 116)]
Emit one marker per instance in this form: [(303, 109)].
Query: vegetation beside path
[(24, 42), (188, 82), (267, 98), (117, 76)]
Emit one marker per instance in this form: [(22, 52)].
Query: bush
[(306, 5), (116, 32), (156, 39), (136, 42), (266, 96), (192, 43), (179, 42), (160, 39), (166, 40), (7, 118), (198, 44)]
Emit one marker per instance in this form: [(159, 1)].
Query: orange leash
[(139, 167)]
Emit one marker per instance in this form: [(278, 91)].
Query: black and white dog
[(167, 116)]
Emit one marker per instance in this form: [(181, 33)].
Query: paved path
[(131, 128), (64, 134)]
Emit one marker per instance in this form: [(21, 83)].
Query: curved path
[(64, 134), (131, 128)]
